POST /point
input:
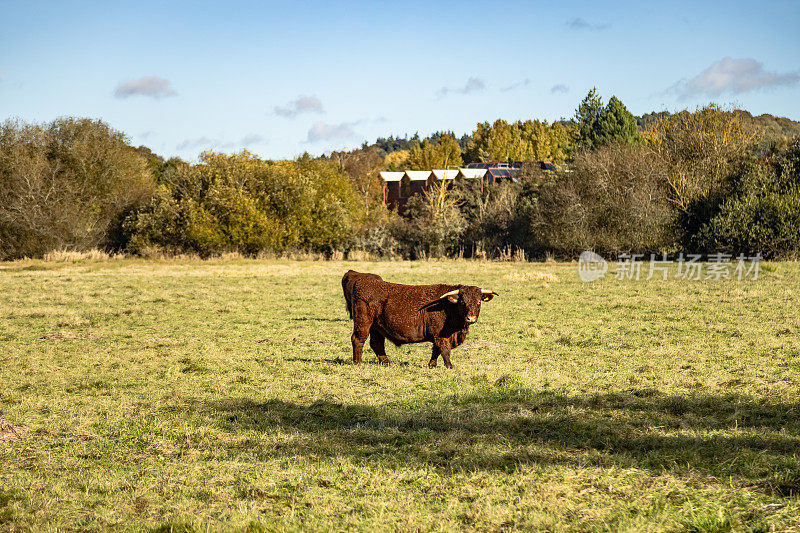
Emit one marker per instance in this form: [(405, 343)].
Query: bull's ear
[(452, 296), (487, 295)]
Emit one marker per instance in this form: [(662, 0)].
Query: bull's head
[(468, 301)]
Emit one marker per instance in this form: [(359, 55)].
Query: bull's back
[(404, 312)]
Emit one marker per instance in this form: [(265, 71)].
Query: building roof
[(415, 175), (392, 176), (494, 170), (496, 164), (445, 174), (472, 173), (502, 172)]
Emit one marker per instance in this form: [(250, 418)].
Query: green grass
[(188, 395)]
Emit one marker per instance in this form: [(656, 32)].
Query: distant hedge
[(701, 181)]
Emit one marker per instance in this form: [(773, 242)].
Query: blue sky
[(288, 77)]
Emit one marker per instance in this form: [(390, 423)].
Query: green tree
[(587, 118), (599, 125), (616, 124)]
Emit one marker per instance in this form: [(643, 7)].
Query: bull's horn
[(484, 291), (448, 294)]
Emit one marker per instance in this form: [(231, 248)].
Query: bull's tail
[(347, 304)]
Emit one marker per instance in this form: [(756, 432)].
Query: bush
[(66, 185), (612, 200), (702, 151), (490, 213), (379, 240), (433, 225), (763, 212), (242, 203)]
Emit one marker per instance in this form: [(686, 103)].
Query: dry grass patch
[(73, 256), (9, 432), (530, 276)]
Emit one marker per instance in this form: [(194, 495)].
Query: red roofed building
[(398, 187)]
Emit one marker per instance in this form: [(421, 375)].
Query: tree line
[(694, 181)]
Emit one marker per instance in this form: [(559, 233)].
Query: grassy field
[(191, 395)]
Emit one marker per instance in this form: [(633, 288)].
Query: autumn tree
[(613, 200), (433, 225), (703, 150), (239, 202), (396, 161), (429, 154), (66, 184), (519, 141), (363, 166)]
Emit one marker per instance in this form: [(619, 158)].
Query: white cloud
[(578, 23), (216, 143), (252, 138), (517, 85), (559, 88), (472, 85), (151, 86), (322, 131), (733, 76), (195, 143), (302, 104)]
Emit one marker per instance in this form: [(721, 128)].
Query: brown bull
[(405, 314)]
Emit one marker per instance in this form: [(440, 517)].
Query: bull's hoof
[(384, 361), (432, 364), (448, 365)]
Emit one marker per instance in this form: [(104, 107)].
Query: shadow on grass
[(343, 361), (756, 443), (329, 360), (317, 319)]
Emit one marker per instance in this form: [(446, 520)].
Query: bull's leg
[(444, 347), (446, 357), (378, 344), (441, 346), (361, 326), (434, 356), (358, 341)]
